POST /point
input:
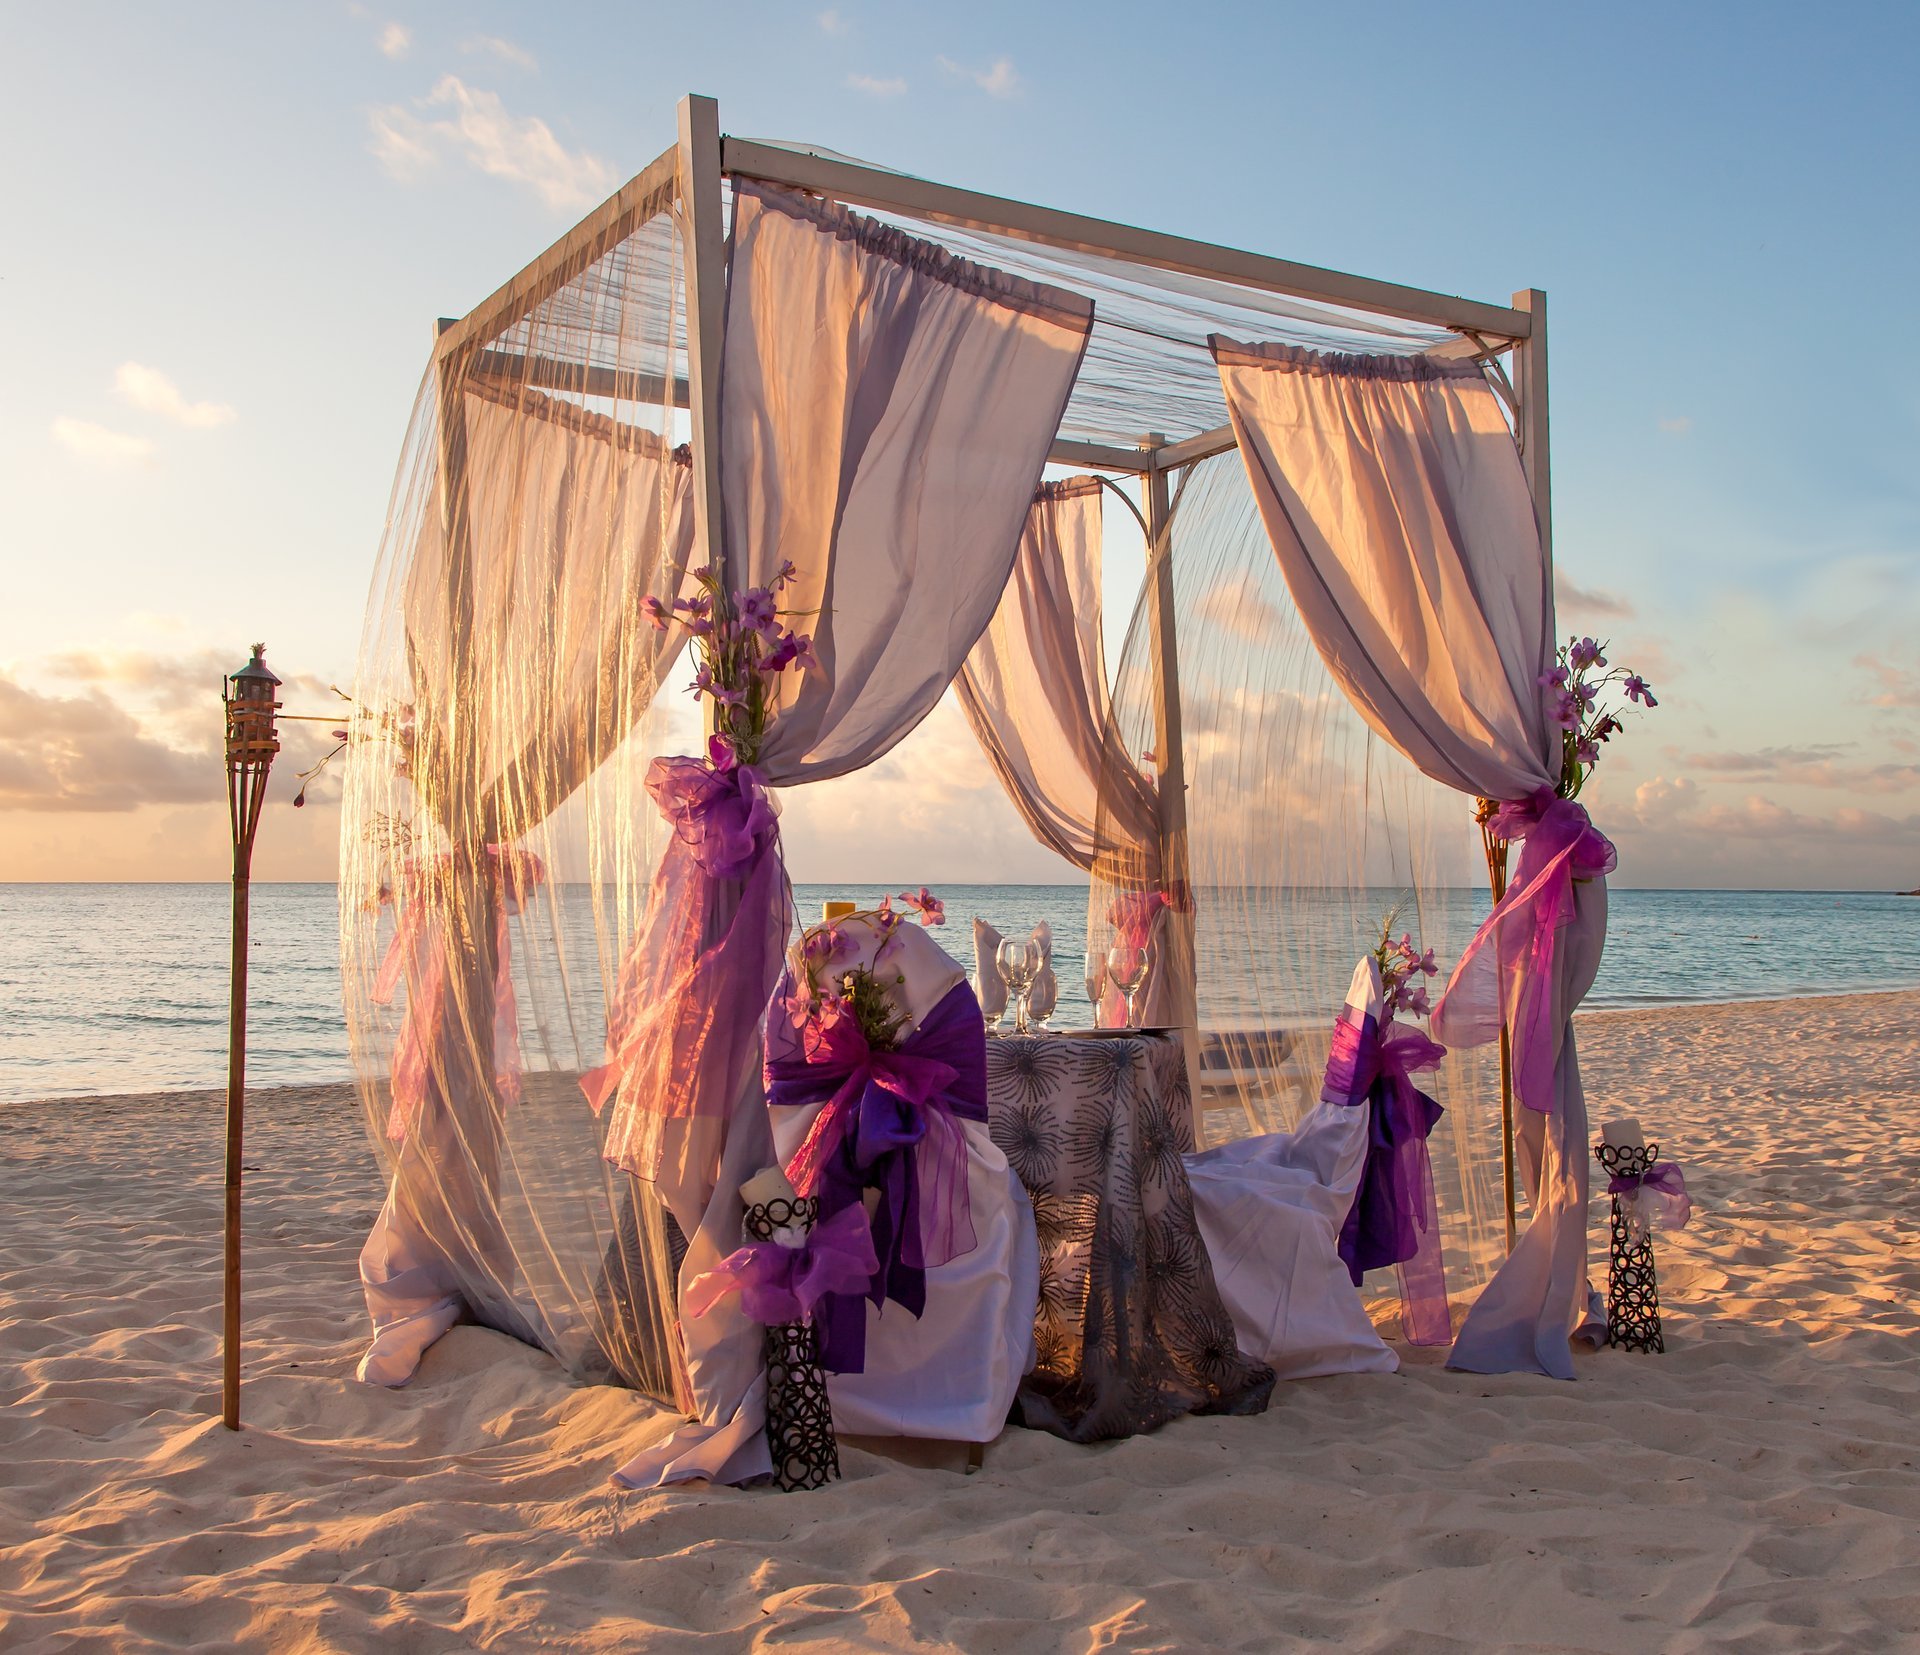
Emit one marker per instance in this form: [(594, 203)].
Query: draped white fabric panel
[(886, 415), (886, 411), (1394, 496), (1035, 689)]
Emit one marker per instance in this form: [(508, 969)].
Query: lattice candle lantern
[(806, 1454), (1633, 1297)]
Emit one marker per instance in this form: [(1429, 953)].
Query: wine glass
[(1127, 971), (1019, 959), (1096, 981)]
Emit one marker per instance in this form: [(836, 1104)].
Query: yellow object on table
[(831, 911)]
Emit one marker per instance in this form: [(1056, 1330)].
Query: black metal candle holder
[(806, 1454), (1633, 1298)]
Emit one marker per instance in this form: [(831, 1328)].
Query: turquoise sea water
[(121, 988)]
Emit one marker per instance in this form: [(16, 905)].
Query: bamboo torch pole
[(251, 745), (1496, 850)]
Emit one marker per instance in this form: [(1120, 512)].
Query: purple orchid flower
[(721, 753), (930, 908), (657, 612), (1638, 689), (803, 655), (1587, 752), (781, 656), (1555, 679), (702, 682), (755, 607)]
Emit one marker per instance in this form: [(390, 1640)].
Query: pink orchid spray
[(1586, 725)]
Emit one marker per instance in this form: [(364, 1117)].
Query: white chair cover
[(950, 1374), (1270, 1210)]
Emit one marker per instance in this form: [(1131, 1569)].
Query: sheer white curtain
[(886, 414), (507, 658), (1393, 494)]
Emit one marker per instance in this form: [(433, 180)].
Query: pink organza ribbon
[(778, 1283), (418, 955), (696, 982), (1510, 962)]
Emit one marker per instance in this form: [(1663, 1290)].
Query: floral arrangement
[(743, 645), (1586, 725), (826, 996), (1401, 964)]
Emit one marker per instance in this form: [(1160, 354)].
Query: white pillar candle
[(1623, 1134), (762, 1187)]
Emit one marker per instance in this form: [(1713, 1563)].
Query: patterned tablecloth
[(1131, 1330)]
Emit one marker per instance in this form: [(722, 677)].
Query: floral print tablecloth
[(1131, 1330)]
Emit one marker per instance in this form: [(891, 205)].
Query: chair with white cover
[(1270, 1210), (952, 1373)]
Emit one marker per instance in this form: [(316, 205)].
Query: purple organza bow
[(1658, 1197), (1509, 963), (722, 815), (891, 1123), (1394, 1218), (684, 1030), (777, 1283)]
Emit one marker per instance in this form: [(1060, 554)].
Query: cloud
[(395, 38), (84, 752), (1236, 604), (149, 390), (1675, 425), (1897, 686), (875, 87), (1811, 767), (97, 442), (109, 731), (480, 131), (492, 45), (831, 22), (1589, 600), (998, 81)]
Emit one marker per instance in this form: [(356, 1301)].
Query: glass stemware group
[(1019, 962)]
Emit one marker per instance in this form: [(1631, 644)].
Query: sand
[(1756, 1488)]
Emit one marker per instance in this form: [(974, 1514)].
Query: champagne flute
[(1019, 958), (1096, 981), (1127, 971)]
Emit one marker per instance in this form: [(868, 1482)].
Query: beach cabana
[(924, 400)]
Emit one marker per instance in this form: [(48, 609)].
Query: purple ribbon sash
[(1394, 1219), (1507, 970), (777, 1283), (1658, 1197), (684, 1030), (890, 1124)]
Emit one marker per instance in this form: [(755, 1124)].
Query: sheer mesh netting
[(497, 840), (1303, 832)]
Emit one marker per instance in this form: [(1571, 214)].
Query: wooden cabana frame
[(693, 174)]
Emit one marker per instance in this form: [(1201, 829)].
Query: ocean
[(123, 988)]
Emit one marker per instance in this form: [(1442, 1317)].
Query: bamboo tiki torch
[(251, 744)]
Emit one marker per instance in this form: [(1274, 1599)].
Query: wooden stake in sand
[(1496, 850), (251, 744)]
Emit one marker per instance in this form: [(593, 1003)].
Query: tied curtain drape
[(1035, 690), (529, 661), (886, 412), (1393, 494)]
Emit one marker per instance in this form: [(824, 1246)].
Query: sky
[(226, 230)]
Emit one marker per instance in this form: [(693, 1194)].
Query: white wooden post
[(1169, 750)]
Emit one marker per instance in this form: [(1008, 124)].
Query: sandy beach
[(1756, 1488)]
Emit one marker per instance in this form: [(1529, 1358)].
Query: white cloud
[(1588, 600), (875, 87), (492, 45), (480, 131), (998, 81), (96, 442), (831, 22), (149, 390), (395, 38), (1676, 425)]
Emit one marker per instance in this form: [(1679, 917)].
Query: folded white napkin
[(988, 985), (1045, 990)]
